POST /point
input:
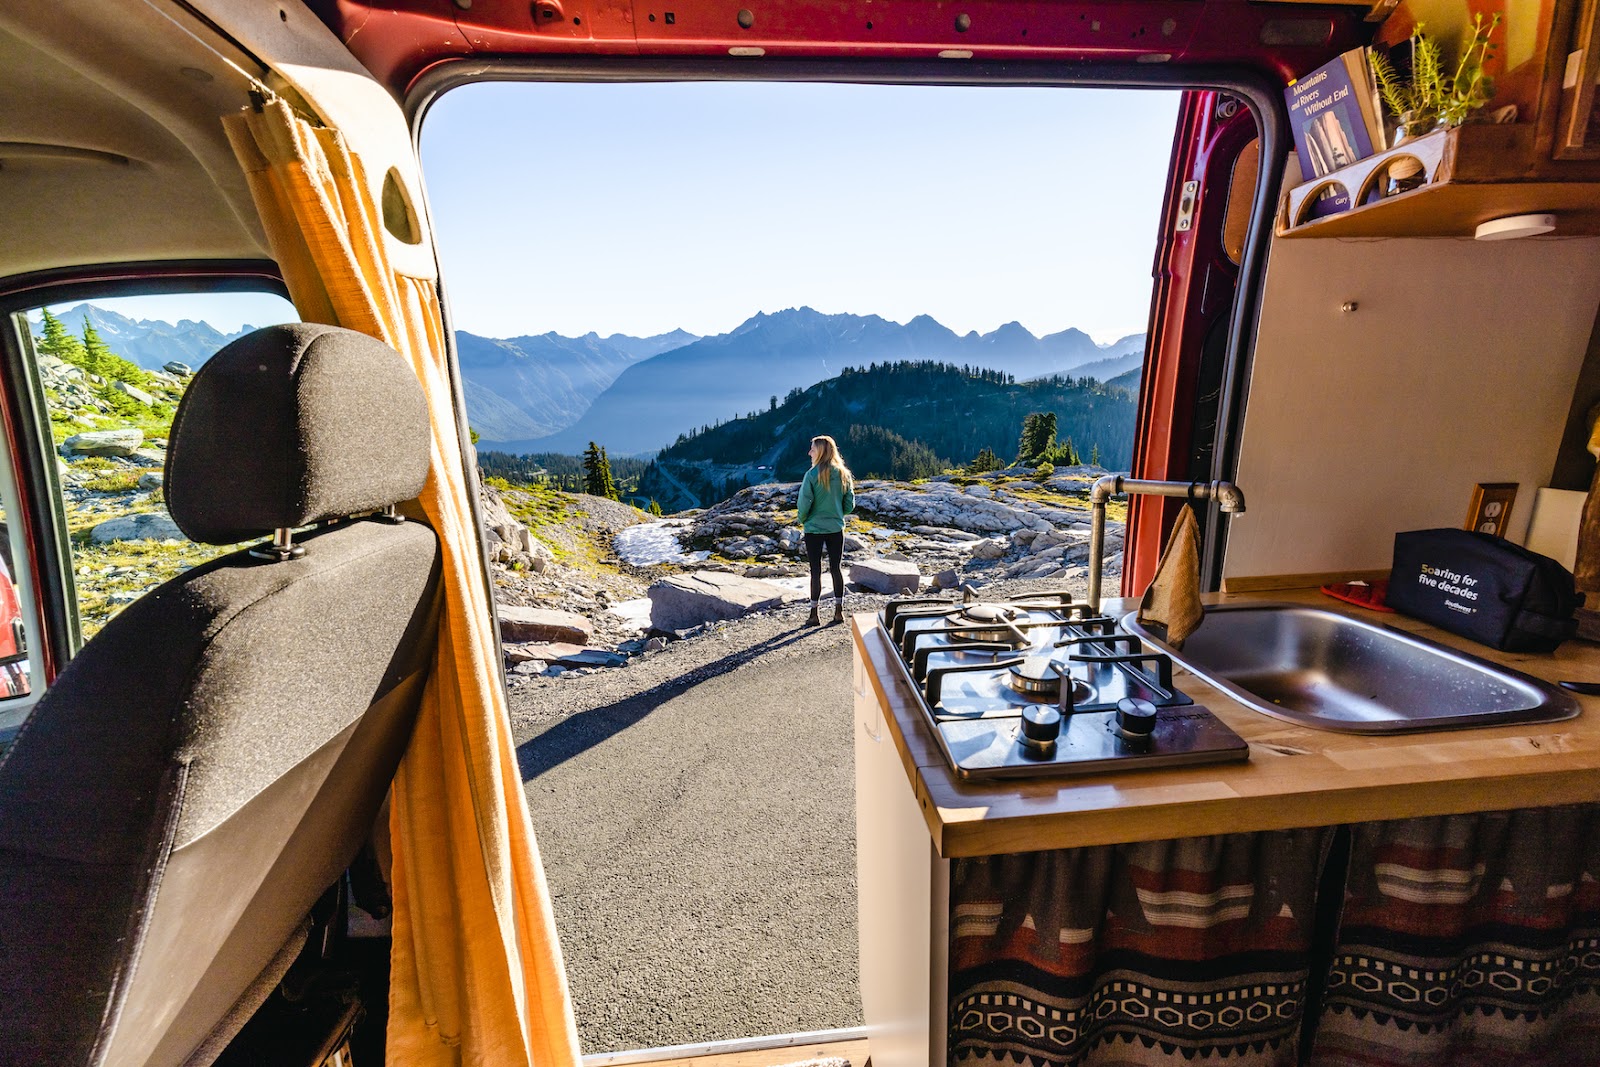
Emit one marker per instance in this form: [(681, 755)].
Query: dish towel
[(1173, 599)]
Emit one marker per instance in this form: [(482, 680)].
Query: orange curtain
[(477, 976)]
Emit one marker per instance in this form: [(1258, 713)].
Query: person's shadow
[(581, 732)]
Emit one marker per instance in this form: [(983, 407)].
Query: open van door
[(1202, 317)]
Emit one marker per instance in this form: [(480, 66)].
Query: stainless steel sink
[(1333, 672)]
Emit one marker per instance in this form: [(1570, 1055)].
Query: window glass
[(17, 613), (113, 372)]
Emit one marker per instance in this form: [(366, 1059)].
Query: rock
[(147, 526), (594, 657), (684, 601), (947, 579), (771, 571), (655, 644), (886, 576), (852, 543), (103, 443), (180, 369), (519, 625), (150, 480), (900, 557), (530, 667), (138, 394), (522, 653), (990, 548), (147, 457)]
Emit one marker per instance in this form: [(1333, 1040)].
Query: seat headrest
[(292, 424)]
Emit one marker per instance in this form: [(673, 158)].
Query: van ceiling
[(111, 142), (401, 42)]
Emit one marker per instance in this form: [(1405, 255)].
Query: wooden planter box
[(1472, 174)]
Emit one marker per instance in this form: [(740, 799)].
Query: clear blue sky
[(641, 208)]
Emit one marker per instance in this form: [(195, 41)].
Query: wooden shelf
[(1474, 174)]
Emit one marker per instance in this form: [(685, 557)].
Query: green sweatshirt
[(822, 511)]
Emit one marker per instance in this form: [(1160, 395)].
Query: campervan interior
[(191, 812)]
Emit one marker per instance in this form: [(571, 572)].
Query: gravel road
[(694, 811)]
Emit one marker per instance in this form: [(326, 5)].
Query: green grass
[(117, 481), (128, 567)]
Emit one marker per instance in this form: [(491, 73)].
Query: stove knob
[(1136, 719), (1041, 725)]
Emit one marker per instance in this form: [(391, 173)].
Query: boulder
[(684, 601), (148, 526), (103, 443), (547, 650), (180, 369), (594, 657), (519, 625), (886, 576), (990, 548), (138, 394), (150, 480), (947, 579)]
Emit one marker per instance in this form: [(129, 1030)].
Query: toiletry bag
[(1483, 587)]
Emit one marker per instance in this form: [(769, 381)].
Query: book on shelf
[(1337, 120)]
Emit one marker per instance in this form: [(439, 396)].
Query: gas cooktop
[(1043, 686)]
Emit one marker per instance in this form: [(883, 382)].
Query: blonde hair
[(829, 460)]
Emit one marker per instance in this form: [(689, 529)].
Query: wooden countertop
[(1296, 776)]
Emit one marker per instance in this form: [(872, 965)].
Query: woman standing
[(827, 495)]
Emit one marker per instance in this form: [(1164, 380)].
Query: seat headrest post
[(282, 547)]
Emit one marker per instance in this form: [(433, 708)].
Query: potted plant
[(1432, 97)]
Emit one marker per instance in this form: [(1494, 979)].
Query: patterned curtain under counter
[(1468, 940), (1191, 951)]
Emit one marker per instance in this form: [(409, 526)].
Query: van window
[(113, 371)]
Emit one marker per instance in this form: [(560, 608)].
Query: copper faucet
[(1229, 498)]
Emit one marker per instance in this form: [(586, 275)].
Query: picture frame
[(1490, 510)]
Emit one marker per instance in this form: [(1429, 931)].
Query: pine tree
[(1094, 454), (1038, 437), (593, 483), (985, 460), (97, 354), (655, 508), (606, 481), (1030, 434), (56, 341), (99, 359)]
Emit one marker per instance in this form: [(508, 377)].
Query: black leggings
[(834, 543)]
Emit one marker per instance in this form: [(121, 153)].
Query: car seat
[(210, 763)]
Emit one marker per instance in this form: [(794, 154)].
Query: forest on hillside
[(914, 418)]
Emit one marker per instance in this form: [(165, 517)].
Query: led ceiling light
[(1513, 226)]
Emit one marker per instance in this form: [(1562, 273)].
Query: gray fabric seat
[(213, 759)]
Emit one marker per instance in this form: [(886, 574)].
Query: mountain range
[(713, 379), (635, 395), (150, 342), (529, 387)]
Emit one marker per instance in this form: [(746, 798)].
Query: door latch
[(1191, 192)]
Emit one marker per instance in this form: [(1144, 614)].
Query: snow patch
[(649, 543)]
